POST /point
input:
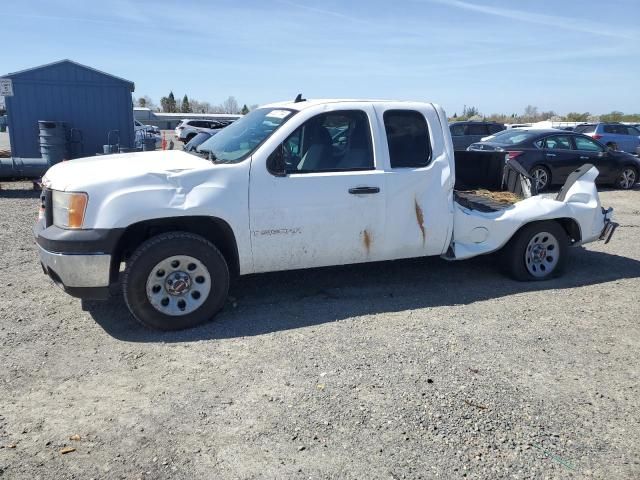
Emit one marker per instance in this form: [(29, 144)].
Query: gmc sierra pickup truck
[(292, 185)]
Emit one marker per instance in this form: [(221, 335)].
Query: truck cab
[(291, 185)]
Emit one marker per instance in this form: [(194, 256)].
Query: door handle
[(363, 190), (584, 158), (551, 154)]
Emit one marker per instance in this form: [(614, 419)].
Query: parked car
[(187, 129), (464, 134), (616, 136), (184, 225), (192, 145), (143, 135), (146, 128), (551, 155)]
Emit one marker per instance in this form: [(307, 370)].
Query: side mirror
[(276, 164)]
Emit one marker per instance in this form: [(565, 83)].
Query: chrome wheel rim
[(542, 254), (627, 178), (541, 178), (178, 285)]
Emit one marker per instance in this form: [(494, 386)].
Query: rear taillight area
[(513, 154), (596, 136)]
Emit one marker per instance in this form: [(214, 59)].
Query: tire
[(175, 280), (541, 176), (522, 261), (628, 178), (613, 146), (189, 138)]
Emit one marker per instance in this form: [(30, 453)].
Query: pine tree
[(244, 110), (186, 107)]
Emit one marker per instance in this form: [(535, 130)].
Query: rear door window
[(477, 129), (614, 129), (408, 138), (633, 131), (495, 129), (558, 142), (457, 130)]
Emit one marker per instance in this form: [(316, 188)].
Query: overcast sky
[(569, 55)]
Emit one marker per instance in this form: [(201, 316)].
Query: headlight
[(68, 209)]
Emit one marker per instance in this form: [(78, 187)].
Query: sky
[(496, 55)]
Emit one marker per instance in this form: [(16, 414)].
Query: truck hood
[(80, 174)]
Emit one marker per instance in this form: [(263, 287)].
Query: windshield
[(585, 129), (193, 144), (240, 139), (511, 137)]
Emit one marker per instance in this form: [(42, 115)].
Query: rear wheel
[(627, 179), (538, 251), (541, 176), (175, 280)]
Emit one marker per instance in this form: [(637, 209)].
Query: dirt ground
[(412, 369)]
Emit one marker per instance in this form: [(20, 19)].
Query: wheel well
[(572, 228), (216, 230), (569, 225)]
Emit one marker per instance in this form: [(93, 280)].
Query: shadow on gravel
[(274, 302)]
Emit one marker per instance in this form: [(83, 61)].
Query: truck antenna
[(299, 99)]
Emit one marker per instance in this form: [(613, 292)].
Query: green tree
[(185, 107), (469, 112), (244, 110), (169, 104), (577, 117), (614, 116)]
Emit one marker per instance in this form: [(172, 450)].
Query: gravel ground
[(412, 369)]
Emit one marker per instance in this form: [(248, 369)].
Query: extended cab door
[(419, 180), (329, 206)]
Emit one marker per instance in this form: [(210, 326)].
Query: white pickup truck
[(289, 186)]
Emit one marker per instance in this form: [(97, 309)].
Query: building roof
[(71, 62)]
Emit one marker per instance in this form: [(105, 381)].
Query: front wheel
[(538, 251), (627, 179), (175, 280)]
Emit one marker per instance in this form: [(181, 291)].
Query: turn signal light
[(77, 207)]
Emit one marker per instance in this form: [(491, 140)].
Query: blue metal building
[(91, 102)]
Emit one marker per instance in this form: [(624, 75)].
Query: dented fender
[(135, 187)]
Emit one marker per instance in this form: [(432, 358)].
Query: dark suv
[(464, 134)]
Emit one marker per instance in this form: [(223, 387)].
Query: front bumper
[(80, 275), (79, 261)]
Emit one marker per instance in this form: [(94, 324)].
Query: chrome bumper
[(76, 271)]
